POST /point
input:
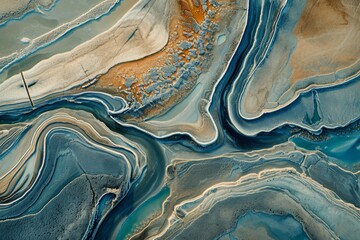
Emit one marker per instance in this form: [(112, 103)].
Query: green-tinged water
[(140, 216), (344, 149), (70, 40), (35, 24)]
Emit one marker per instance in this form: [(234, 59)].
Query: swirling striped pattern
[(180, 119)]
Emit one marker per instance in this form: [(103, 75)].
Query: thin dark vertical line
[(27, 89)]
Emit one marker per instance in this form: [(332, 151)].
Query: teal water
[(259, 225), (345, 149), (138, 217)]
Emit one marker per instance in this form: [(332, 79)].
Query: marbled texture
[(180, 119)]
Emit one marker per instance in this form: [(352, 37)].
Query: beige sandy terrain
[(185, 13), (328, 35), (141, 32), (326, 52)]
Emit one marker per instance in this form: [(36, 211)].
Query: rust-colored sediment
[(184, 14), (189, 8), (328, 33), (114, 79)]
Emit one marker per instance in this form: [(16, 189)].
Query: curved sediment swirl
[(55, 34), (271, 192), (88, 60), (303, 54), (55, 153), (185, 119), (297, 184), (17, 9)]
